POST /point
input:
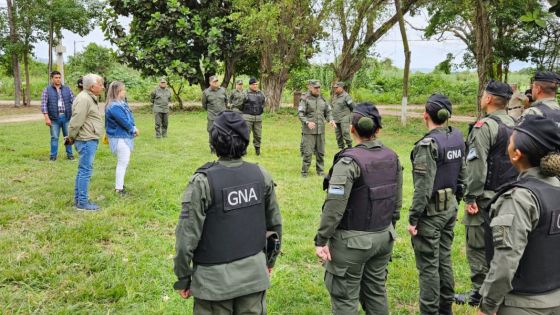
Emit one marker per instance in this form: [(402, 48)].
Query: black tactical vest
[(235, 224), (538, 271), (254, 103), (552, 114), (451, 151), (500, 170), (372, 200)]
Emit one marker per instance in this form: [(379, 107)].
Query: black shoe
[(460, 299), (303, 175), (258, 151), (70, 157), (121, 192), (474, 298), (445, 309), (52, 158)]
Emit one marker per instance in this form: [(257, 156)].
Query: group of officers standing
[(506, 172)]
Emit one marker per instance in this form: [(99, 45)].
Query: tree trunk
[(51, 39), (499, 71), (14, 51), (177, 94), (484, 58), (273, 85), (402, 28), (27, 101), (229, 70)]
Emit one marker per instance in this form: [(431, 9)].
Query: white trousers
[(123, 157)]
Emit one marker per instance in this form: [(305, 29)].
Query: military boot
[(257, 151), (445, 309)]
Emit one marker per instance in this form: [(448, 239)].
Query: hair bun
[(443, 114), (366, 123), (550, 164)]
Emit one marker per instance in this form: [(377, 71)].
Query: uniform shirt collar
[(230, 162), (368, 144)]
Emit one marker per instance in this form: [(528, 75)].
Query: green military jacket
[(86, 122), (514, 215), (424, 163), (342, 107), (550, 102), (223, 281), (236, 99), (345, 172), (160, 99), (214, 101), (314, 109), (479, 141)]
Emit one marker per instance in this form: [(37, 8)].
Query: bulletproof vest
[(552, 114), (254, 103), (372, 200), (235, 225), (451, 150), (538, 271), (500, 170)]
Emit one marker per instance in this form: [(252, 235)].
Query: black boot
[(445, 309), (257, 151), (474, 298)]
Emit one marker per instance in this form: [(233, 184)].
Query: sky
[(425, 53)]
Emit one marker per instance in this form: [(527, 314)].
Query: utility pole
[(77, 41), (60, 50)]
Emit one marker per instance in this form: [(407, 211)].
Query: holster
[(272, 249)]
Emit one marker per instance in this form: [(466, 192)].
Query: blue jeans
[(86, 151), (56, 125)]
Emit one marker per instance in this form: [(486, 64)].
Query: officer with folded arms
[(227, 209), (356, 234), (524, 275)]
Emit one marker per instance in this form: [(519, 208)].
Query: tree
[(491, 30), (546, 32), (171, 37), (283, 38), (14, 49), (445, 66), (76, 16), (93, 59), (406, 50), (360, 23)]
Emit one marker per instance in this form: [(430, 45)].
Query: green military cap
[(213, 78), (162, 80), (315, 83), (239, 82), (339, 84)]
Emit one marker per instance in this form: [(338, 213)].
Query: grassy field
[(119, 261)]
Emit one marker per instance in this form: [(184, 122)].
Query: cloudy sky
[(426, 54)]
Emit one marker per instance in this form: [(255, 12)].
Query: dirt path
[(9, 114)]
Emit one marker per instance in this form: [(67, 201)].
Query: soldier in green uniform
[(524, 275), (342, 107), (160, 98), (237, 96), (488, 168), (214, 100), (314, 112), (356, 234), (252, 107), (543, 91), (438, 175), (227, 209)]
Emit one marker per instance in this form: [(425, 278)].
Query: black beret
[(543, 130), (440, 100), (232, 123), (252, 80), (369, 110), (547, 76), (499, 89)]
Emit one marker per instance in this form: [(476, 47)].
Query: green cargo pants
[(251, 304), (342, 132), (475, 246), (255, 127), (513, 310), (432, 250), (358, 271), (162, 120), (313, 144), (209, 125)]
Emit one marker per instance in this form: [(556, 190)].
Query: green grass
[(57, 260)]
